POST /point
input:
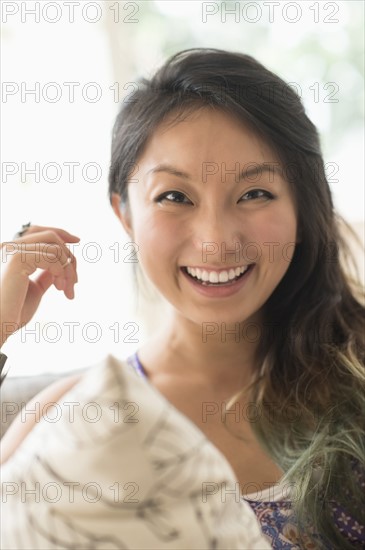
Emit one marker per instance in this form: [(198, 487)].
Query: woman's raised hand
[(39, 247)]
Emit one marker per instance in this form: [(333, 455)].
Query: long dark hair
[(312, 354)]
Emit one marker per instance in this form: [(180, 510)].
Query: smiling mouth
[(208, 283)]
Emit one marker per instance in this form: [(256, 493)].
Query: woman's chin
[(228, 327)]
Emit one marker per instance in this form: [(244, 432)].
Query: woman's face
[(198, 200)]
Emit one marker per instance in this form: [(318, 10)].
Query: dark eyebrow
[(244, 174)]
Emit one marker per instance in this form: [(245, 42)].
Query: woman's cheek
[(276, 236), (157, 244)]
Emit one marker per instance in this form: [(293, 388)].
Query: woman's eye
[(171, 196), (257, 194)]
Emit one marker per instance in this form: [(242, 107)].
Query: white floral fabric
[(114, 465)]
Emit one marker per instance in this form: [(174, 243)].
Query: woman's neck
[(221, 354)]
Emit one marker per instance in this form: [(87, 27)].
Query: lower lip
[(219, 291)]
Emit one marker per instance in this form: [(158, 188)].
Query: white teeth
[(204, 276), (214, 276), (223, 277)]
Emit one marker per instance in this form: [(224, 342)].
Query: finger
[(30, 254), (51, 251), (66, 281), (64, 235), (55, 273), (44, 280), (61, 251), (44, 238), (18, 289), (51, 245), (28, 259), (69, 279)]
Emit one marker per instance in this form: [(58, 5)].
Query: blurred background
[(67, 66)]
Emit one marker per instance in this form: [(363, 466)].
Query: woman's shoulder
[(39, 405), (53, 395)]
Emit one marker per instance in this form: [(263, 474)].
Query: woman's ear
[(122, 211)]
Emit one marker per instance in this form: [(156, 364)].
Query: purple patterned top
[(277, 519)]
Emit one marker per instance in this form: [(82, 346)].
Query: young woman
[(217, 176)]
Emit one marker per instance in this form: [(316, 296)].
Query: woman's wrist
[(7, 329), (3, 367), (3, 336)]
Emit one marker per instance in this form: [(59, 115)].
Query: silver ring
[(67, 262), (23, 230)]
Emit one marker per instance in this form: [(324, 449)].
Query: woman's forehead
[(205, 132)]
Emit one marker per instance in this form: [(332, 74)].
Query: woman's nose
[(217, 237)]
